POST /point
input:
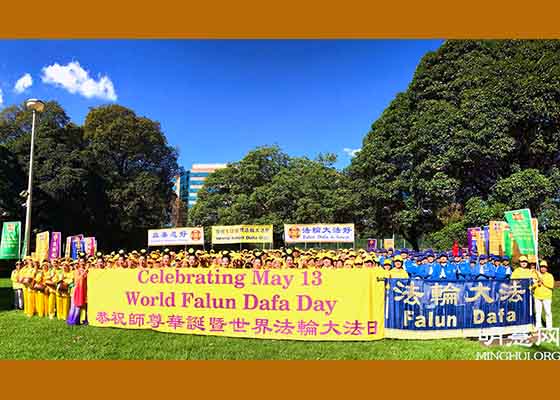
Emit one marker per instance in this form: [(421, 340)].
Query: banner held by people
[(11, 238), (176, 236), (76, 246), (42, 246), (521, 227), (229, 234), (421, 309), (90, 246), (259, 303), (496, 237), (389, 243), (55, 245), (319, 233)]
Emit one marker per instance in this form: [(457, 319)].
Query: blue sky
[(217, 99)]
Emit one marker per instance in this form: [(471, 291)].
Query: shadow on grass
[(6, 298)]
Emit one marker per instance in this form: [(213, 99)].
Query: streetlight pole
[(36, 106)]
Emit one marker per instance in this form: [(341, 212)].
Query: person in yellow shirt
[(40, 289), (29, 282), (22, 280), (543, 296), (17, 287), (50, 290), (64, 280), (522, 271), (380, 272), (397, 271)]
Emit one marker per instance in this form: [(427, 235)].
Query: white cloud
[(75, 79), (1, 98), (351, 152), (23, 83)]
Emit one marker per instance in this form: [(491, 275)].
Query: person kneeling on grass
[(543, 296)]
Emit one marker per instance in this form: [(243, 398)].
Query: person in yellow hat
[(65, 277), (40, 289), (387, 264), (397, 271), (17, 287), (28, 274), (50, 290), (21, 278), (543, 296), (522, 271), (358, 262), (379, 271)]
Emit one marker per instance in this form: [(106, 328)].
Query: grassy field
[(41, 338)]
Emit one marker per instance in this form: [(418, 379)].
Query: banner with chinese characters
[(76, 246), (269, 304), (55, 245), (90, 246), (486, 238), (10, 242), (242, 234), (476, 242), (388, 244), (417, 309), (176, 236), (42, 246), (496, 237), (319, 233), (522, 229)]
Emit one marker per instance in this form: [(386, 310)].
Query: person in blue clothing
[(505, 262), (503, 271), (409, 265), (382, 256), (436, 270), (430, 256), (464, 271), (450, 268), (473, 266), (422, 267), (406, 257), (453, 269), (486, 269)]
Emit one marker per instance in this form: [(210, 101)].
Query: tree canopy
[(477, 131), (109, 178), (269, 187)]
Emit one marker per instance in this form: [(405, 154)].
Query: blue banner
[(77, 246), (450, 308)]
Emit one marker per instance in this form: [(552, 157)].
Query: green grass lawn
[(41, 338)]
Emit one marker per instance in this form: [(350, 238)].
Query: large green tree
[(61, 176), (134, 166), (269, 187), (480, 119), (110, 178)]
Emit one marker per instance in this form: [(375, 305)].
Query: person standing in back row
[(17, 287), (543, 296)]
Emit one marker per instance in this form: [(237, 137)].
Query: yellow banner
[(242, 234), (42, 246), (496, 237), (388, 243), (261, 303), (319, 233)]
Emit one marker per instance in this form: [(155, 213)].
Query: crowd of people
[(57, 288)]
